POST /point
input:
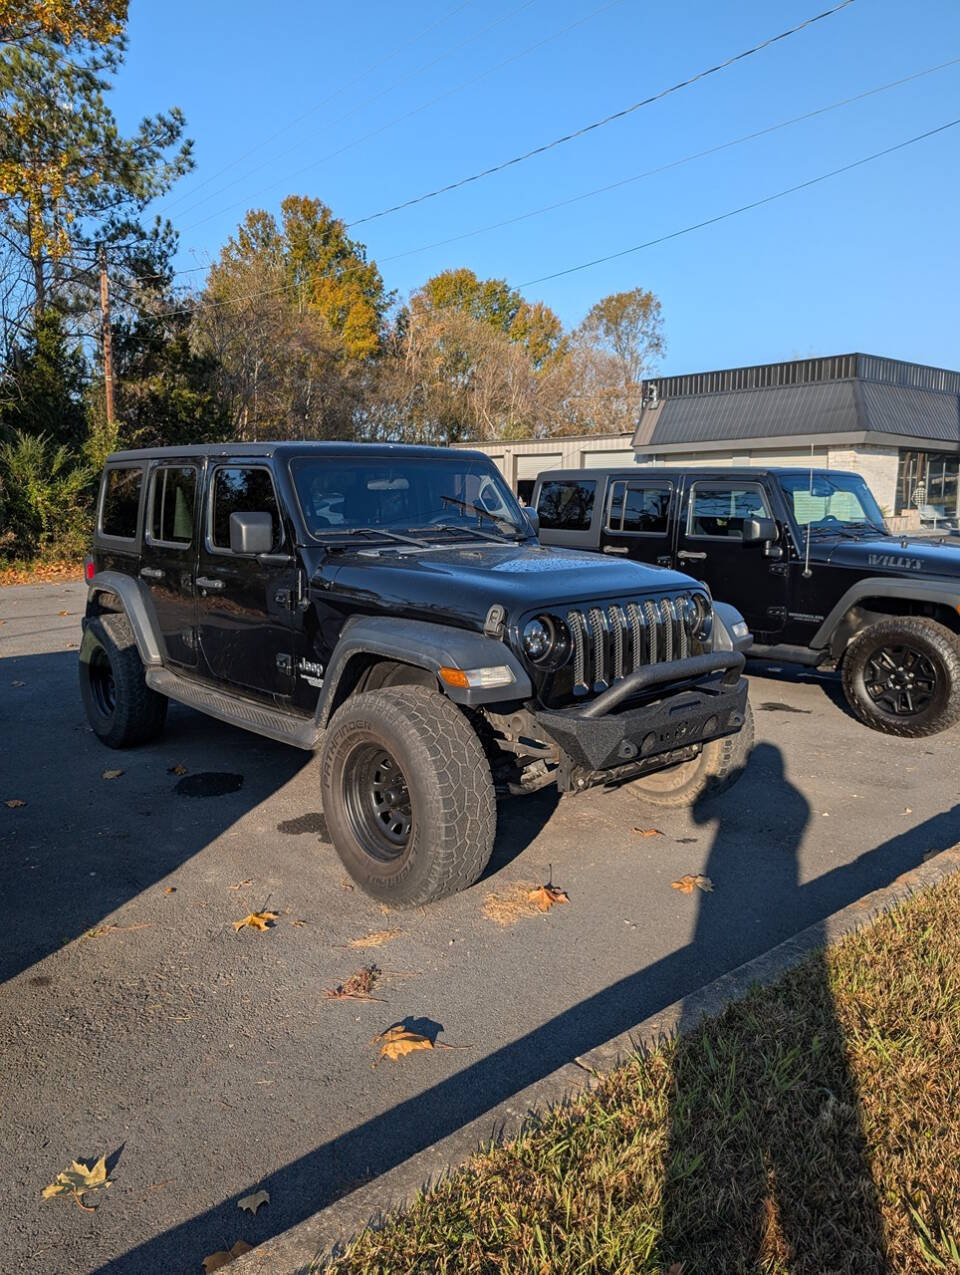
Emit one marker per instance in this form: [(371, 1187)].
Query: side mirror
[(251, 533), (758, 529), (533, 519)]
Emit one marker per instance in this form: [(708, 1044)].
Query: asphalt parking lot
[(206, 1063)]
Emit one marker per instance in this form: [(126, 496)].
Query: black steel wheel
[(902, 676), (377, 802), (407, 794), (121, 708)]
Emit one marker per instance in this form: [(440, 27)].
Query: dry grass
[(376, 939), (813, 1127), (40, 571)]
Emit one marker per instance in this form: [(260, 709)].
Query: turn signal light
[(464, 678)]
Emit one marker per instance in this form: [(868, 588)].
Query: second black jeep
[(392, 607), (805, 555)]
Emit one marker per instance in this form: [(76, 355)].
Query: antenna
[(806, 553)]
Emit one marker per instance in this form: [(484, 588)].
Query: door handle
[(615, 549), (152, 573), (688, 554), (207, 582)]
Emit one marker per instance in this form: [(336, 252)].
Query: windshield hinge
[(493, 624)]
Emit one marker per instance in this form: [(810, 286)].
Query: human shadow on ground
[(758, 903), (766, 1164)]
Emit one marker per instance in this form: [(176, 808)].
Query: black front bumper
[(712, 706)]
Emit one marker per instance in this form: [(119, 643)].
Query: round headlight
[(702, 618), (537, 639)]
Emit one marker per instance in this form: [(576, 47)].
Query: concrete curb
[(293, 1252)]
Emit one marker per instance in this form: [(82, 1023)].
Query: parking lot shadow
[(758, 903), (82, 846), (766, 1162)]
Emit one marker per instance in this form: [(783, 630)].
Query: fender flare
[(884, 586), (134, 608), (725, 616), (427, 646)]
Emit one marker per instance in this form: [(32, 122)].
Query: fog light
[(649, 744), (710, 725)]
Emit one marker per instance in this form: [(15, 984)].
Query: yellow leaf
[(78, 1179), (256, 921), (649, 832), (171, 889), (687, 883), (178, 769), (63, 613), (545, 896), (112, 774), (398, 1041), (14, 803), (253, 1202), (223, 1258)]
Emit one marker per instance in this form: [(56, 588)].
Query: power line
[(675, 163), (733, 212), (504, 17), (399, 119), (609, 119), (324, 101)]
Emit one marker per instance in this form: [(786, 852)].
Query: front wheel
[(719, 766), (407, 795), (902, 676)]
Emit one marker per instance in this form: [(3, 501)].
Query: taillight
[(89, 570)]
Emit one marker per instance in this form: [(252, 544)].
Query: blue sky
[(365, 105)]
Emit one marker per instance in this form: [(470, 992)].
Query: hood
[(880, 555), (462, 582)]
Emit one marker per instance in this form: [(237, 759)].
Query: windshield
[(832, 502), (340, 494)]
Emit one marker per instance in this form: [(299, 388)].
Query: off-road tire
[(453, 808), (719, 766), (936, 643), (137, 714)]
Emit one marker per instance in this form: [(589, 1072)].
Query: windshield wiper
[(502, 523), (466, 531), (381, 533)]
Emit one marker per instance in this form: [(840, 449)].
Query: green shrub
[(45, 498)]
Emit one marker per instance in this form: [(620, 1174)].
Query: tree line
[(293, 334)]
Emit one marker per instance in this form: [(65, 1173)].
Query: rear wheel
[(121, 708), (719, 766), (902, 676), (407, 795)]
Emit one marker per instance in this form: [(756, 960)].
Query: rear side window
[(121, 503), (566, 504), (719, 510), (174, 493), (242, 490), (640, 510)]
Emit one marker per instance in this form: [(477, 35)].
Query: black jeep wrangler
[(805, 556), (392, 607)]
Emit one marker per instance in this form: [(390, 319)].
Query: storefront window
[(928, 478)]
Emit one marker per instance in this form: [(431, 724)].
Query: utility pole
[(105, 334)]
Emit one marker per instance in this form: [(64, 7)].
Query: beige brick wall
[(877, 465)]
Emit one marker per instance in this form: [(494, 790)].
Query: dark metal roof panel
[(788, 411), (899, 409)]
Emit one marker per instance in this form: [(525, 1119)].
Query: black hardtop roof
[(285, 449), (698, 471)]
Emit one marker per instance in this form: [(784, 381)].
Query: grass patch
[(813, 1127)]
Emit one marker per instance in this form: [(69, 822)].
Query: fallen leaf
[(223, 1258), (399, 1041), (18, 683), (357, 987), (908, 810), (252, 1202), (171, 889), (14, 803), (63, 613), (376, 939), (298, 922), (77, 1180), (545, 896), (176, 770), (108, 929), (111, 774), (241, 884), (256, 921), (687, 883), (648, 832)]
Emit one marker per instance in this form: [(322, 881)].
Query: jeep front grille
[(610, 641)]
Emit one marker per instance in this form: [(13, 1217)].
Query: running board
[(284, 727)]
